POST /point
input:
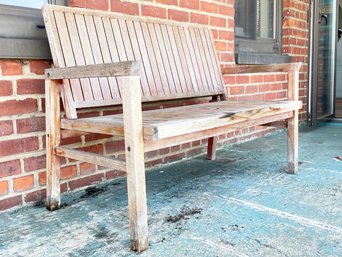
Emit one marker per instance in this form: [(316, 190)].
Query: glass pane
[(326, 58), (265, 18), (245, 18), (25, 3), (255, 18)]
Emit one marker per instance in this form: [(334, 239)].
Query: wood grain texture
[(95, 70), (176, 60), (53, 191), (91, 158), (240, 69), (135, 164)]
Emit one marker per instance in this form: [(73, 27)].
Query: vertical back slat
[(114, 87), (78, 54), (189, 83), (188, 45), (87, 51), (178, 59), (200, 56), (106, 57), (152, 58), (137, 55), (96, 51), (173, 67), (166, 60), (68, 55), (208, 62), (145, 59), (164, 86)]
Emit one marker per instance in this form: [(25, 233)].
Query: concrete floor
[(243, 204)]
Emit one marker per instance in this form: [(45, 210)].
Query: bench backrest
[(179, 59)]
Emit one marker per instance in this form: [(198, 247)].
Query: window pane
[(265, 18), (255, 18), (245, 18), (25, 3)]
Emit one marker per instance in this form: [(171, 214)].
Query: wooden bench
[(103, 59)]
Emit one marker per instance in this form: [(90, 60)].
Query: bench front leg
[(53, 122), (135, 163)]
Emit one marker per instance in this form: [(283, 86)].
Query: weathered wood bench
[(106, 59)]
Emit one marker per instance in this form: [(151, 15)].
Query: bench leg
[(135, 163), (212, 146), (53, 190), (292, 143)]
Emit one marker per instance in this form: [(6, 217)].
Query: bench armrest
[(240, 69), (129, 68)]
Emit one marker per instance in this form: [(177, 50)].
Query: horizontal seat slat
[(170, 122)]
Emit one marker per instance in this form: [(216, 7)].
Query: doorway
[(322, 60)]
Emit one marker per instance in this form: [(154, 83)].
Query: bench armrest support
[(129, 68)]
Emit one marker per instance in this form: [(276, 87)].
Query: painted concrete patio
[(243, 204)]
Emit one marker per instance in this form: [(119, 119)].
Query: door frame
[(314, 16)]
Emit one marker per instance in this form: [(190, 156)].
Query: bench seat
[(170, 122)]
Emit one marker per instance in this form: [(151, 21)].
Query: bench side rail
[(178, 60)]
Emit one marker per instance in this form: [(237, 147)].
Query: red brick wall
[(22, 122)]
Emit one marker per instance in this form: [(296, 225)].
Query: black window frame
[(19, 44), (255, 50)]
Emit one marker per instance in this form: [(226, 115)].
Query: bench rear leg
[(53, 199), (292, 143), (135, 163), (212, 146)]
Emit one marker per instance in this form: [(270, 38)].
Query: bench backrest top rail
[(178, 59)]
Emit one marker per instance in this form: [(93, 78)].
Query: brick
[(164, 150), (174, 157), (124, 7), (9, 168), (153, 11), (6, 128), (115, 146), (87, 168), (23, 183), (35, 163), (9, 67), (30, 86), (42, 178), (13, 107), (33, 124), (3, 187), (35, 196), (242, 79), (178, 15), (199, 18), (168, 2), (218, 22), (209, 7), (6, 88), (86, 181), (68, 172), (38, 67), (236, 90), (91, 4), (16, 146), (10, 202), (115, 174), (193, 4)]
